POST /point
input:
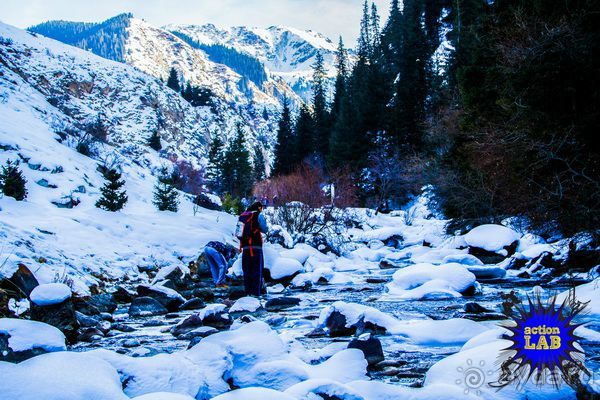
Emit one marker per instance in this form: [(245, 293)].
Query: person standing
[(251, 225), (219, 257)]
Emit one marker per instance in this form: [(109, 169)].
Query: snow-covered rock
[(254, 393), (250, 304), (24, 335), (428, 282), (491, 237), (473, 369), (61, 376), (50, 294), (455, 331)]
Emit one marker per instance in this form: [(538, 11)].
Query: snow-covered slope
[(47, 90), (287, 52)]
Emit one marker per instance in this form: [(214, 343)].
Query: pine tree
[(341, 65), (165, 193), (188, 93), (215, 164), (173, 80), (364, 39), (259, 163), (113, 198), (408, 114), (284, 146), (374, 28), (304, 136), (321, 117), (391, 42), (237, 170), (154, 141), (12, 182)]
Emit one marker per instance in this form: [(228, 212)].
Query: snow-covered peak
[(288, 53)]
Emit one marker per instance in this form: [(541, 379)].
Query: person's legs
[(251, 264), (216, 263)]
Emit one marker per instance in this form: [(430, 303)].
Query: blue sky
[(330, 17)]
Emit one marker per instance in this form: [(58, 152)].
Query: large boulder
[(492, 243), (52, 304), (22, 339)]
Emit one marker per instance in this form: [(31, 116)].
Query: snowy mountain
[(287, 53), (155, 51)]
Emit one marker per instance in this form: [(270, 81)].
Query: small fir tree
[(154, 141), (214, 169), (165, 193), (113, 197), (12, 182), (173, 81)]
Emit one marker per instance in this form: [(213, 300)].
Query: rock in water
[(281, 303), (370, 346), (193, 304), (21, 339), (146, 306), (52, 304), (169, 298), (336, 324), (474, 308)]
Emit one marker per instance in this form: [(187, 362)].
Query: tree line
[(502, 123)]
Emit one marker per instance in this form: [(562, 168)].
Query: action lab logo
[(543, 344)]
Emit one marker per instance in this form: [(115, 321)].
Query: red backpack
[(248, 230)]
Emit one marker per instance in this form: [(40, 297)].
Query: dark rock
[(376, 280), (394, 241), (82, 305), (86, 321), (275, 320), (200, 269), (193, 304), (171, 302), (470, 291), (385, 264), (474, 308), (153, 322), (486, 316), (220, 320), (487, 257), (123, 327), (4, 299), (22, 280), (281, 303), (336, 325), (90, 335), (316, 333), (248, 318), (122, 295), (204, 201), (61, 316), (7, 354), (205, 294), (146, 306), (201, 333), (371, 347), (189, 324), (106, 317), (194, 342), (104, 302), (236, 293), (179, 280)]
